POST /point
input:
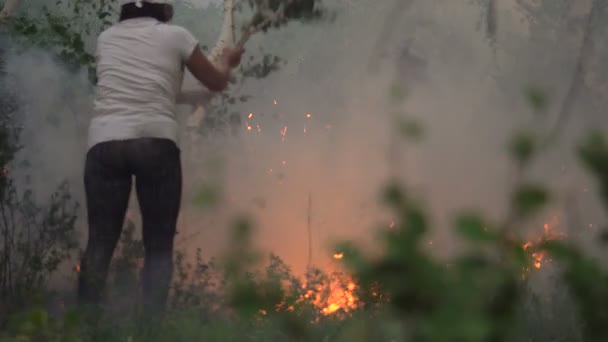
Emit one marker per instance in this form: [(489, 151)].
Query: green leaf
[(77, 44), (520, 256), (411, 129), (529, 199), (472, 227), (207, 197), (594, 154), (522, 148), (604, 236), (394, 196), (415, 222), (104, 14), (537, 98), (397, 93), (558, 250), (39, 318)]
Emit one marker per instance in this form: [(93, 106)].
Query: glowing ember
[(250, 115), (338, 256), (77, 268), (538, 255), (308, 115), (332, 296)]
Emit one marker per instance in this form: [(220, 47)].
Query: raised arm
[(214, 76), (192, 93)]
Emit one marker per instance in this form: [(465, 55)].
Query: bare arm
[(214, 77)]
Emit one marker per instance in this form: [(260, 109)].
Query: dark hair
[(160, 12)]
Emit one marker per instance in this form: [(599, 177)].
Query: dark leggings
[(110, 167)]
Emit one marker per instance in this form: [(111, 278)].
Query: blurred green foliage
[(405, 293)]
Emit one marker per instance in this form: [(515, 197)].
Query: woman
[(140, 66)]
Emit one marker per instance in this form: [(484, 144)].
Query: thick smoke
[(322, 127)]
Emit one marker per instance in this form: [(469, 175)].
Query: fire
[(332, 296), (539, 256), (340, 298)]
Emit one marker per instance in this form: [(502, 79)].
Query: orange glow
[(77, 268), (338, 256), (308, 115), (538, 255), (332, 296), (250, 115)]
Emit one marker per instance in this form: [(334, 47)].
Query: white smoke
[(343, 158)]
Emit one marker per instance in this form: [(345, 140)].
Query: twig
[(491, 23), (253, 28), (309, 226)]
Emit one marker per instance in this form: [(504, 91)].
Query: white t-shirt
[(140, 69)]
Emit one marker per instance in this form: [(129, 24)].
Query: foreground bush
[(403, 293)]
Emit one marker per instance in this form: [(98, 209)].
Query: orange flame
[(331, 297), (538, 256)]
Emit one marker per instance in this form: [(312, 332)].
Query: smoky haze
[(322, 128)]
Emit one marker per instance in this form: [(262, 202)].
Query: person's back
[(133, 135), (140, 66)]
